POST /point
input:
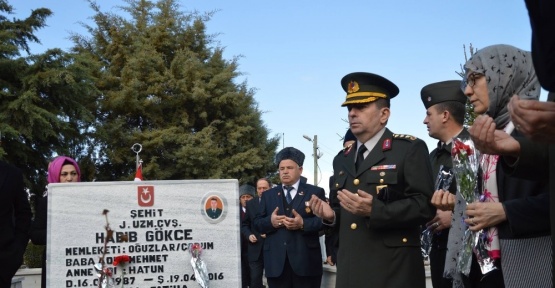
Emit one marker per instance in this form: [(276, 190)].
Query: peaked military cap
[(291, 154), (363, 87), (246, 189), (442, 91)]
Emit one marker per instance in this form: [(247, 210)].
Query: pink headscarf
[(55, 168)]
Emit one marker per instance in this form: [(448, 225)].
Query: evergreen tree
[(166, 85), (45, 100)]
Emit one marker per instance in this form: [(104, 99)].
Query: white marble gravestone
[(160, 220)]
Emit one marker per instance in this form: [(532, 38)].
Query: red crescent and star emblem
[(145, 195)]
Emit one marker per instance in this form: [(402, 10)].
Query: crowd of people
[(383, 193)]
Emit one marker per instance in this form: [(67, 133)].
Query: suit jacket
[(15, 221), (384, 249), (302, 247), (254, 250)]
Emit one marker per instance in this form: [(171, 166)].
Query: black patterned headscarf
[(508, 71)]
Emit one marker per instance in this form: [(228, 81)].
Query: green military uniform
[(432, 94), (382, 250)]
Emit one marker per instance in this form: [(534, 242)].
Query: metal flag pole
[(137, 149)]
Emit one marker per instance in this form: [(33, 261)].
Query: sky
[(294, 54)]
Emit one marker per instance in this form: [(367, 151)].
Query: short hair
[(456, 109), (383, 103), (267, 180)]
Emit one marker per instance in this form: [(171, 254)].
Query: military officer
[(384, 190), (445, 109)]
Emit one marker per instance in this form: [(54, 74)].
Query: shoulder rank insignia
[(404, 136), (386, 145)]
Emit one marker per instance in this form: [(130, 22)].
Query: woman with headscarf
[(514, 212), (62, 169)]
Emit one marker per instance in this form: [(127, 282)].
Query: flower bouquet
[(443, 182), (104, 273), (465, 166), (199, 267)]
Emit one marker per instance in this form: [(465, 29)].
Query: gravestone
[(154, 222)]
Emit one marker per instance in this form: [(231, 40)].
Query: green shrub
[(33, 255)]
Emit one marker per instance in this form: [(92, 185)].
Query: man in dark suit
[(383, 197), (292, 253), (255, 238), (214, 212), (445, 109), (15, 221), (246, 193)]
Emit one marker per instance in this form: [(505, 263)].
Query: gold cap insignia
[(353, 87)]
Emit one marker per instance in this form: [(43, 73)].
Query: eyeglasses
[(65, 174), (470, 80)]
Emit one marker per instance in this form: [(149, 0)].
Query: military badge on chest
[(382, 190)]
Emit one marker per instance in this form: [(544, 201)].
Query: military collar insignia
[(353, 87), (348, 149), (386, 145)]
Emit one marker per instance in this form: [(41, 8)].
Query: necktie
[(360, 156), (442, 146), (288, 194)]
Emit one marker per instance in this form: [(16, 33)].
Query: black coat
[(38, 231), (543, 42), (247, 228), (524, 191), (526, 204), (15, 222)]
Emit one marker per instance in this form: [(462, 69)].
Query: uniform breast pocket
[(385, 183), (339, 180)]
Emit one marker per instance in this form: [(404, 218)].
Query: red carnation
[(121, 259)]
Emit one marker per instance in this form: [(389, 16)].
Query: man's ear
[(384, 115), (445, 116)]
